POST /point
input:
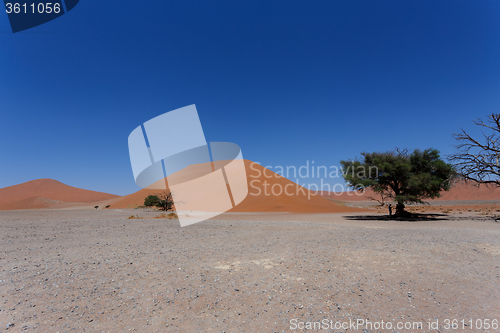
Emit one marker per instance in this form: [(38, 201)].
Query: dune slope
[(266, 194), (42, 193)]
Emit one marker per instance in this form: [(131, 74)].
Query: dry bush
[(165, 216)]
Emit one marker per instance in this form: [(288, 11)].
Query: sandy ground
[(97, 271)]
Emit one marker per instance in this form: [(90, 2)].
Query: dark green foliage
[(163, 200), (151, 200), (404, 177), (96, 207)]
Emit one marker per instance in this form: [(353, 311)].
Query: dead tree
[(166, 200), (477, 159)]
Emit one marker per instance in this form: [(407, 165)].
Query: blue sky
[(288, 81)]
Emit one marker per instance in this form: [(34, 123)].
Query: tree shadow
[(410, 217)]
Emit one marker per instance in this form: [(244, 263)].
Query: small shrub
[(165, 216), (107, 206), (151, 200), (96, 207)]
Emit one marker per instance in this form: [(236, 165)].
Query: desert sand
[(47, 193), (460, 191), (272, 264), (260, 182), (98, 271)]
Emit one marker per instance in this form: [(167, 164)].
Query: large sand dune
[(31, 203), (266, 194), (43, 193), (265, 184)]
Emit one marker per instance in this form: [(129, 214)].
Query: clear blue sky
[(288, 81)]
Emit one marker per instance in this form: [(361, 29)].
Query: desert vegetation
[(161, 200), (401, 176)]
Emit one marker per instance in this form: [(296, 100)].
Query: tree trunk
[(400, 209)]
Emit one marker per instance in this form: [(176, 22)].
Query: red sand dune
[(298, 202), (31, 203), (470, 191), (133, 200), (460, 191), (43, 193), (302, 201)]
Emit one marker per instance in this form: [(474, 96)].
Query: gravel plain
[(97, 271)]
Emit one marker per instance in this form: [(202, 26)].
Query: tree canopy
[(404, 177), (151, 200), (162, 200)]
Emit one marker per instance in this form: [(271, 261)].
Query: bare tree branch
[(166, 200), (477, 159), (383, 197)]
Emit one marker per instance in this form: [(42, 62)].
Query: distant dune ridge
[(45, 193), (460, 191), (266, 194)]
